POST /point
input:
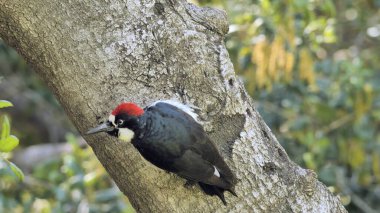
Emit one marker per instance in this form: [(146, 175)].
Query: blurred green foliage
[(7, 143), (34, 104), (313, 69), (74, 182)]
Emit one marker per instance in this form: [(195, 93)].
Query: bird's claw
[(189, 184)]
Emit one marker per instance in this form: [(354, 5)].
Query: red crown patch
[(128, 108)]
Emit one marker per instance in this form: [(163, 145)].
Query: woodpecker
[(168, 135)]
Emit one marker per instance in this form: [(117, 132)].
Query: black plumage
[(172, 140)]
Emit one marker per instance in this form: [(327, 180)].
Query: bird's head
[(121, 123)]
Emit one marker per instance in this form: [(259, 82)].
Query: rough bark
[(95, 54)]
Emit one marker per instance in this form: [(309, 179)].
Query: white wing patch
[(186, 108), (126, 134), (216, 172)]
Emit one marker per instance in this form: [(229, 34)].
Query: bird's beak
[(104, 127)]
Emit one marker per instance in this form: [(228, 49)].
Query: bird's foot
[(189, 184)]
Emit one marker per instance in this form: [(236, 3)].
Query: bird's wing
[(199, 157), (193, 167)]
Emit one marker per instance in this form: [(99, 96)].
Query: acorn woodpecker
[(168, 135)]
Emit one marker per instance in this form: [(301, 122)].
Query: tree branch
[(95, 54)]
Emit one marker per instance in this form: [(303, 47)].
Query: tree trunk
[(96, 54)]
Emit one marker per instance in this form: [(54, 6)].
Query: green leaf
[(16, 170), (8, 144), (6, 128), (4, 103)]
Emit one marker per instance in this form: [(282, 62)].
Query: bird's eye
[(120, 122)]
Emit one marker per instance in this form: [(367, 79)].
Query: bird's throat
[(126, 134)]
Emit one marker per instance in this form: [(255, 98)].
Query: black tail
[(214, 190), (232, 191)]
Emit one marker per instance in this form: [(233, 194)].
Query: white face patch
[(126, 134), (111, 119), (216, 172)]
